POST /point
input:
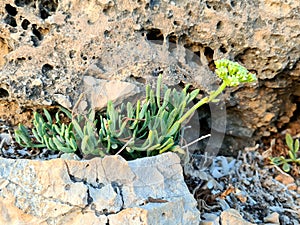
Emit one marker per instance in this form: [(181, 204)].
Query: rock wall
[(47, 46)]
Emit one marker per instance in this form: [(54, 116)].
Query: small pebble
[(287, 180), (272, 218)]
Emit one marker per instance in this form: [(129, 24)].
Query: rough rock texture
[(231, 216), (46, 47), (99, 191), (227, 217), (99, 91)]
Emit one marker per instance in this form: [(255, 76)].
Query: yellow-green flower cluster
[(233, 73)]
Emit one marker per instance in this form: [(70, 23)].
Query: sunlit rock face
[(48, 47)]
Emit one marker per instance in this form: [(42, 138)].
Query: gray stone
[(232, 216), (63, 100), (98, 92), (73, 192), (70, 156), (210, 219), (106, 199), (272, 218)]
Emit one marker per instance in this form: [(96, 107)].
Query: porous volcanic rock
[(47, 47)]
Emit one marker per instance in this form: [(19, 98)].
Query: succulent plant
[(146, 128), (56, 136), (150, 127)]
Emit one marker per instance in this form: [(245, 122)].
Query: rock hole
[(67, 187), (46, 68), (232, 3), (209, 54), (36, 32), (163, 214), (219, 25), (50, 6), (208, 5), (22, 3), (157, 71), (155, 35), (108, 8), (10, 21), (72, 54), (3, 93), (46, 7), (170, 14), (35, 41), (84, 57), (44, 14), (106, 34), (296, 114), (176, 23), (11, 10), (20, 59), (154, 4), (172, 39), (25, 23), (223, 49)]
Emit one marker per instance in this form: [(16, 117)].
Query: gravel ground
[(246, 184)]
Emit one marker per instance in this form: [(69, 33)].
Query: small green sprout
[(292, 153)]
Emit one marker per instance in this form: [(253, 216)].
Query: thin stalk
[(202, 102)]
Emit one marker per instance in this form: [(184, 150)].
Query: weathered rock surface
[(99, 91), (227, 217), (231, 216), (46, 47), (99, 191)]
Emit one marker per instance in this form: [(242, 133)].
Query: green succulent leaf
[(292, 155), (48, 116), (77, 129), (66, 112), (286, 167), (289, 141)]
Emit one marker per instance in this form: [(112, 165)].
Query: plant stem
[(212, 96)]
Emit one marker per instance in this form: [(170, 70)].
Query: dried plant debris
[(246, 185)]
